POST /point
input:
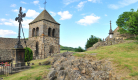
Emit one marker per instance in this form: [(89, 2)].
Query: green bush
[(79, 49), (29, 55), (91, 41)]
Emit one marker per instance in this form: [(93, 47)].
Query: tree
[(92, 40), (28, 55), (79, 49), (133, 23), (122, 20)]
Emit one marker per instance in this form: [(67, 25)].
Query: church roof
[(44, 15)]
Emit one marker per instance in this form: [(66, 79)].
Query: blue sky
[(79, 19)]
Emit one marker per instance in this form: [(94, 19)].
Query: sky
[(79, 19)]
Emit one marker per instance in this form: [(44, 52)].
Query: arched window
[(33, 32), (49, 31), (37, 31), (53, 33)]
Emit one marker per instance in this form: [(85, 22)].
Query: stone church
[(43, 38), (117, 34)]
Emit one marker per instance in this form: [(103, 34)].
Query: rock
[(32, 64), (67, 67), (46, 63), (39, 63), (52, 75), (83, 71)]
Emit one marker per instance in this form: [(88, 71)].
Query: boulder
[(67, 67)]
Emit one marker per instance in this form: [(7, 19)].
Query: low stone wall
[(109, 42)]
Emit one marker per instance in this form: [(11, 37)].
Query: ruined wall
[(109, 42)]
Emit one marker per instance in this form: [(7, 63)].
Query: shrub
[(79, 49), (29, 55)]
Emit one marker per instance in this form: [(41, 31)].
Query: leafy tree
[(29, 55), (122, 20), (92, 40), (133, 23), (79, 49)]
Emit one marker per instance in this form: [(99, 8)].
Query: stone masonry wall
[(45, 41), (108, 42), (5, 54), (6, 44), (49, 41)]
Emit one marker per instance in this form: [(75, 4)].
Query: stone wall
[(45, 41), (6, 44), (5, 54), (109, 42)]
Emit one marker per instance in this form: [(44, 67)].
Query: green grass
[(124, 54), (35, 73)]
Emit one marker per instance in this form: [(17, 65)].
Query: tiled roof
[(44, 15)]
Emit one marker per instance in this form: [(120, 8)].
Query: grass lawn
[(124, 57), (35, 73)]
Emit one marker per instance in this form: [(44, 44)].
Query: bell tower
[(45, 31)]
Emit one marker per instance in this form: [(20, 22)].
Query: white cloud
[(94, 1), (2, 19), (13, 5), (81, 5), (6, 14), (15, 10), (0, 23), (12, 22), (113, 6), (64, 15), (4, 33), (32, 13), (26, 22), (53, 13), (8, 23), (23, 9), (36, 2), (88, 20), (41, 8), (67, 2), (23, 2), (105, 15), (122, 3)]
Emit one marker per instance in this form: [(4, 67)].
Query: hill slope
[(124, 57)]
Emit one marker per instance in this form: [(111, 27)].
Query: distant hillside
[(67, 48)]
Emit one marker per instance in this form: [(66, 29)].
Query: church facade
[(43, 38)]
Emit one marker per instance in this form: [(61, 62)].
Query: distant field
[(61, 51)]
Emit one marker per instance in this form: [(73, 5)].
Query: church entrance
[(51, 50), (37, 50)]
